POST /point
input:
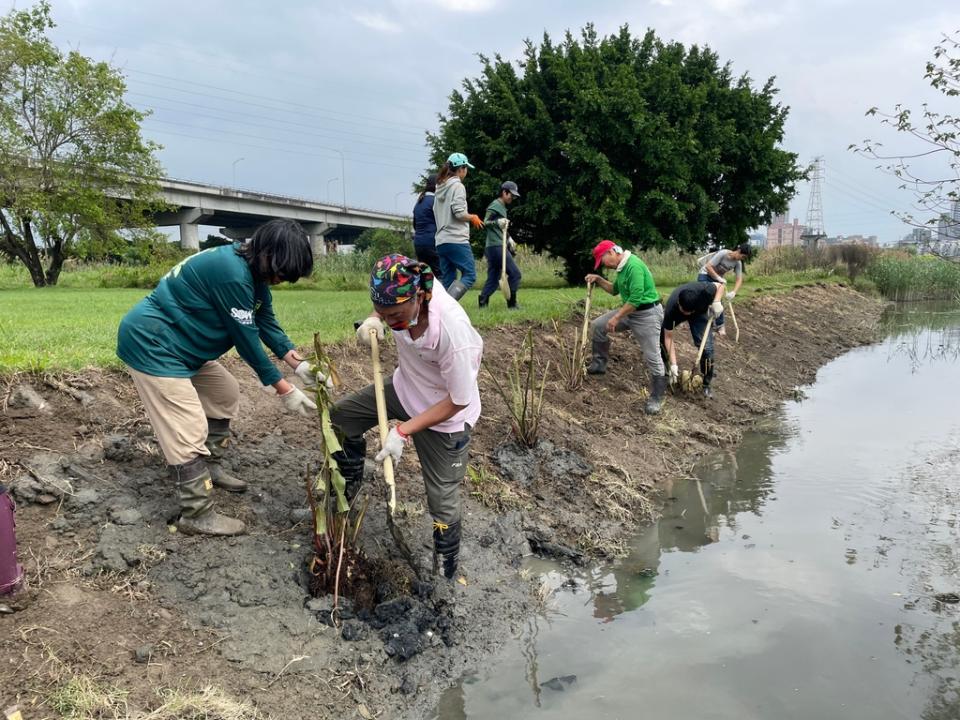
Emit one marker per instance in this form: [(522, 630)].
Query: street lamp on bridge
[(331, 180)]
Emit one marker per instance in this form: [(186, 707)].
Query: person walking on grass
[(211, 302), (694, 303), (495, 221), (714, 267), (433, 395), (425, 225), (641, 312), (453, 227)]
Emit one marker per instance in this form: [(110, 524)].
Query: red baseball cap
[(600, 250)]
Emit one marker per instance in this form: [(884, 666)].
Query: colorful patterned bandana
[(396, 279)]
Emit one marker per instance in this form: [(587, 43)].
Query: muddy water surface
[(806, 575)]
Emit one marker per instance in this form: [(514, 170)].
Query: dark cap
[(511, 187)]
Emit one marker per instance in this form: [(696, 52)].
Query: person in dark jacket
[(495, 222), (211, 302), (425, 226), (693, 303)]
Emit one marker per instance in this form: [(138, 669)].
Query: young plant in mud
[(337, 563), (523, 398), (572, 363)]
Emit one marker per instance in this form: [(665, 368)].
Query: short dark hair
[(746, 248), (279, 249)]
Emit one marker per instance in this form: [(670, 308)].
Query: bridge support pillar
[(317, 233), (189, 236)]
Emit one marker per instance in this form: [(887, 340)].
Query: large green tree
[(648, 142), (73, 164)]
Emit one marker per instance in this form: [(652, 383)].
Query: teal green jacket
[(204, 306), (635, 283), (495, 211)]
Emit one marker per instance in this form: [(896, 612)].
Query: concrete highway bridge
[(239, 212)]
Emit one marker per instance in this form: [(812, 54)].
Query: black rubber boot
[(446, 545), (512, 302), (601, 353), (197, 516), (658, 389), (483, 301), (706, 369), (218, 440), (350, 461)]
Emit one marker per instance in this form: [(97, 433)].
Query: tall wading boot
[(457, 290), (601, 353), (350, 460), (218, 440), (658, 389), (446, 545), (197, 516)]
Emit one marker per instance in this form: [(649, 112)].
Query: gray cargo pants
[(645, 326), (443, 456)]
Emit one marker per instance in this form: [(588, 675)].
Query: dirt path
[(118, 598)]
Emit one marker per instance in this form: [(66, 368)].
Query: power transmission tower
[(813, 232)]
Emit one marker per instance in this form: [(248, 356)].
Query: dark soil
[(115, 595)]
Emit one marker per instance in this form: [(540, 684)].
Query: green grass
[(900, 276), (65, 328)]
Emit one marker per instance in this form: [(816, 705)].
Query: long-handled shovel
[(504, 284), (733, 316), (388, 461)]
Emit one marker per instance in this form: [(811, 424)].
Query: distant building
[(919, 239), (781, 232), (758, 240)]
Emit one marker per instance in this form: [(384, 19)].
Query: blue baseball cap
[(459, 160)]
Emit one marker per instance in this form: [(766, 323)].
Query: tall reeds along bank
[(901, 276)]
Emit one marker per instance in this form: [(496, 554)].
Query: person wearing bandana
[(433, 396)]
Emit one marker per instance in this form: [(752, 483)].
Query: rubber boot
[(197, 516), (706, 369), (601, 353), (218, 440), (446, 545), (658, 388), (457, 290), (512, 302), (350, 461), (483, 301)]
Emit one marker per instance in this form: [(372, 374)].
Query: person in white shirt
[(433, 393)]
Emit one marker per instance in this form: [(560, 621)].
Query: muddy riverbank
[(118, 598)]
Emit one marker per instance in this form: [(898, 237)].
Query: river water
[(804, 578)]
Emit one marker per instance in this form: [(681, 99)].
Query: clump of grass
[(82, 697), (901, 276), (491, 491), (572, 363), (523, 398)]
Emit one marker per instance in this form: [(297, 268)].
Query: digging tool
[(733, 317), (504, 283), (388, 477), (703, 344), (586, 321)]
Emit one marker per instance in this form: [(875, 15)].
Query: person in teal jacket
[(211, 302), (641, 312)]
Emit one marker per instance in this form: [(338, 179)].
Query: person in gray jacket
[(453, 227)]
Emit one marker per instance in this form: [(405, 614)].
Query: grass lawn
[(66, 328)]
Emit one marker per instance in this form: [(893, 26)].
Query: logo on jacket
[(244, 317)]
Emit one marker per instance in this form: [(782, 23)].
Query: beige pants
[(178, 408)]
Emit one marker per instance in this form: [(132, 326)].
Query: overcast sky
[(282, 84)]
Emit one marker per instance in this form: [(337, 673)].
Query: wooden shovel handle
[(382, 415)]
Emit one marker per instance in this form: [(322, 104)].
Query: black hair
[(745, 248), (278, 249), (429, 186), (687, 298)]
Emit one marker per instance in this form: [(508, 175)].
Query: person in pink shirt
[(433, 393)]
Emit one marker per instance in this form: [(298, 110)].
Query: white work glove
[(674, 374), (502, 223), (296, 401), (511, 244), (722, 280), (717, 308), (363, 332), (393, 447), (731, 295), (310, 376)]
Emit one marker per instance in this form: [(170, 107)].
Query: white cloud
[(465, 6), (378, 22)]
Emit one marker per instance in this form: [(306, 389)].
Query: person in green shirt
[(211, 302), (641, 312), (495, 221)]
